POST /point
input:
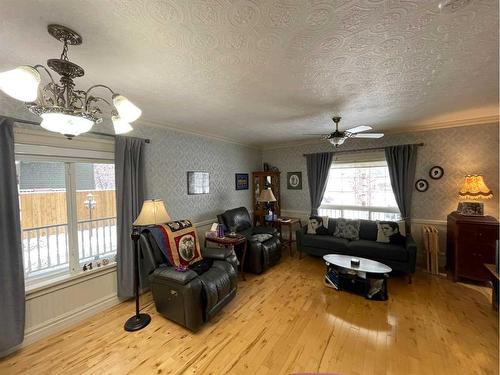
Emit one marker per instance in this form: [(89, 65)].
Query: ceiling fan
[(337, 137)]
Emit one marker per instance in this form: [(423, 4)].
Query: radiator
[(430, 236)]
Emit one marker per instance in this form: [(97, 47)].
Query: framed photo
[(471, 208), (436, 172), (294, 180), (421, 185), (198, 183), (241, 181)]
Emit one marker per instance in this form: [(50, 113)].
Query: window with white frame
[(68, 213), (358, 188)]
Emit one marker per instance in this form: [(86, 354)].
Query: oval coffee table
[(369, 278)]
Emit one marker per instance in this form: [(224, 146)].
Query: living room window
[(359, 189), (68, 214)]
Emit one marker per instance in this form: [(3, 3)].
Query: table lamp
[(473, 189), (267, 196), (153, 212)]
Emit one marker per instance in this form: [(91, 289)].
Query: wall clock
[(421, 185), (436, 172)]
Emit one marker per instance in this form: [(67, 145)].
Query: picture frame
[(436, 172), (421, 185), (471, 208), (198, 182), (241, 181), (294, 180)]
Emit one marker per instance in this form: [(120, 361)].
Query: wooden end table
[(288, 222), (494, 278), (232, 242)]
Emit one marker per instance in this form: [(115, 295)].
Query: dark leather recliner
[(261, 253), (188, 298)]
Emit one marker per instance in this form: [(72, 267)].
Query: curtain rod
[(365, 149), (37, 123)]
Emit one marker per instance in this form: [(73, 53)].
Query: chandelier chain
[(64, 54)]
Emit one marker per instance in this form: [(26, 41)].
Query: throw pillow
[(391, 232), (179, 243), (347, 229), (318, 225)]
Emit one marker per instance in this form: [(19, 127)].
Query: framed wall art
[(421, 185), (241, 181), (294, 180), (198, 183), (436, 172)]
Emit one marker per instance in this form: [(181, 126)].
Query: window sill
[(47, 286)]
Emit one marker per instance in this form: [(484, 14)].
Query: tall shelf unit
[(262, 180)]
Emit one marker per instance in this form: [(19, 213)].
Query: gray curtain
[(318, 166), (402, 163), (130, 183), (11, 257)]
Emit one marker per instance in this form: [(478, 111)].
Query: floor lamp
[(153, 212)]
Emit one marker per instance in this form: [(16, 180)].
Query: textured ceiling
[(268, 71)]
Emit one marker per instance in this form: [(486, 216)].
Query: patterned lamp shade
[(474, 188), (153, 212), (266, 195)]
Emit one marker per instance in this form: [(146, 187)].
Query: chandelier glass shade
[(63, 108)]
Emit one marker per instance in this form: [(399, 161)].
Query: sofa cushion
[(318, 225), (368, 230), (377, 250), (325, 242), (348, 229), (331, 226)]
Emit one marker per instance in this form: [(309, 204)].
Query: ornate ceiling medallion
[(63, 108)]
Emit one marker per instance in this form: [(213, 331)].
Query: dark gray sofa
[(398, 257)]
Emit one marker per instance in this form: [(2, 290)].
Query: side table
[(232, 242), (288, 222)]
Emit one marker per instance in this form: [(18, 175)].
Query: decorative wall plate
[(436, 172), (294, 180), (421, 185)]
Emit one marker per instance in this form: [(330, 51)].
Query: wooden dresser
[(471, 242)]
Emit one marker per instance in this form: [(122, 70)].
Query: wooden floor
[(286, 321)]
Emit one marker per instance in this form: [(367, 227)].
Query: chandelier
[(63, 108)]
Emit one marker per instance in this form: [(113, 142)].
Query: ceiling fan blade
[(368, 135), (359, 129), (315, 134)]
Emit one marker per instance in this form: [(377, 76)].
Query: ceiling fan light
[(120, 125), (68, 125), (21, 83), (336, 141), (127, 110)]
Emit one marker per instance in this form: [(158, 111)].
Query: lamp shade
[(266, 195), (153, 212), (474, 188), (127, 110), (65, 124), (21, 83), (120, 125)]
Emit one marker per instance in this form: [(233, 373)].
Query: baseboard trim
[(65, 320)]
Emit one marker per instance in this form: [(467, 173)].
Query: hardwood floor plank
[(287, 321)]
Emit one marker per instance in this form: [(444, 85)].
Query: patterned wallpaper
[(171, 154), (460, 151)]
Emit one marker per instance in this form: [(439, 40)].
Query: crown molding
[(169, 126), (483, 120)]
